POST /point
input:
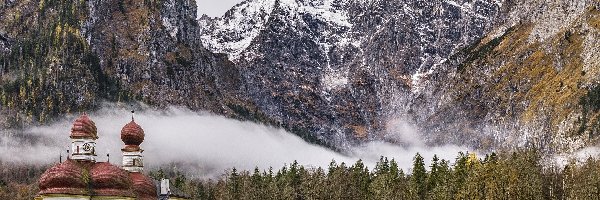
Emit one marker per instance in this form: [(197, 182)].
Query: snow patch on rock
[(233, 33), (548, 17), (334, 80), (173, 30)]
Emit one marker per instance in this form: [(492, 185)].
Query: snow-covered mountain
[(483, 73), (343, 69)]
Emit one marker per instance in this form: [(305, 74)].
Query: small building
[(80, 177), (170, 193)]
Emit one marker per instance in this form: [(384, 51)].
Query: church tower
[(81, 177), (83, 139), (132, 135)]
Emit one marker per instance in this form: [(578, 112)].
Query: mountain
[(532, 81), (483, 73), (66, 57), (342, 69)]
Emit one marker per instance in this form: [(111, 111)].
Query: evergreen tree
[(380, 186), (442, 188), (437, 182), (434, 177), (419, 177), (257, 185), (359, 181), (233, 184)]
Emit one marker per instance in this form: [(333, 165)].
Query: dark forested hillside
[(61, 57)]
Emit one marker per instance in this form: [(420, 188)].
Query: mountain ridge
[(336, 72)]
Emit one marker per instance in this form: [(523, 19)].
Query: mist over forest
[(204, 144)]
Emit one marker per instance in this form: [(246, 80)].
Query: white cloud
[(205, 144)]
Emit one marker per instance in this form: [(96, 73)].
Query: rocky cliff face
[(336, 72), (153, 50), (342, 69), (533, 81), (63, 57)]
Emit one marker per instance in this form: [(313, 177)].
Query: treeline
[(518, 175), (19, 181)]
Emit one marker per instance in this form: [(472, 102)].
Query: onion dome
[(84, 127), (132, 134), (110, 180), (64, 178), (143, 186)]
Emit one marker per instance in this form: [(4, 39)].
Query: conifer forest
[(518, 175)]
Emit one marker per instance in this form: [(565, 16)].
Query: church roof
[(64, 178), (110, 180), (90, 178), (132, 134), (86, 178), (143, 186), (84, 127)]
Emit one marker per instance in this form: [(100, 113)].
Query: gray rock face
[(80, 55), (342, 69), (521, 85), (335, 72), (153, 50)]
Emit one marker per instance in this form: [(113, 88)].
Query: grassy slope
[(535, 83)]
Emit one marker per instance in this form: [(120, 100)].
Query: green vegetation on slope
[(50, 68), (592, 99), (590, 118), (525, 89)]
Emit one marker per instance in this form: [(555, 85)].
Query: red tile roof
[(110, 180), (63, 178), (143, 186), (78, 178)]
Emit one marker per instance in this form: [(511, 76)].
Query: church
[(80, 177)]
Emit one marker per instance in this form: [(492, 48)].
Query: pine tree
[(233, 184), (419, 177), (257, 186), (434, 177), (380, 187), (397, 180), (437, 182), (359, 181), (459, 175)]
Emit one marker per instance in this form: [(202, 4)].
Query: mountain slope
[(342, 69), (530, 85), (482, 73), (63, 57)]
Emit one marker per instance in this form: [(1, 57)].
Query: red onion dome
[(110, 180), (143, 186), (84, 127), (132, 134), (64, 178)]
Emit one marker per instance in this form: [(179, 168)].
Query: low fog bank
[(579, 157), (204, 144)]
